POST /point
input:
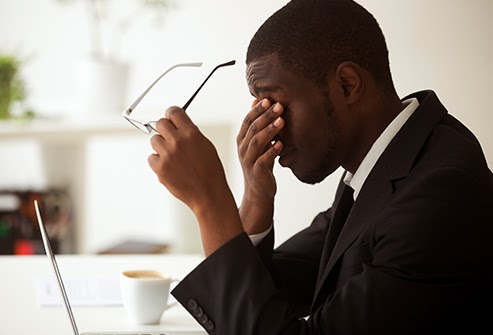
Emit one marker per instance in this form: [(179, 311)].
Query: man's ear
[(349, 78)]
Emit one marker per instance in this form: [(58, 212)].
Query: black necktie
[(339, 219)]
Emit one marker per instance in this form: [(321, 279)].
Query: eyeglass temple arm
[(203, 83), (137, 101)]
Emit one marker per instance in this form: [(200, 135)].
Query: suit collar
[(402, 152), (396, 162), (357, 180)]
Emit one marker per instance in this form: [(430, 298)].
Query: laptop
[(51, 256)]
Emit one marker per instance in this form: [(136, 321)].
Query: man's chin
[(310, 177), (286, 161)]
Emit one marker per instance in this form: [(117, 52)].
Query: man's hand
[(257, 154), (187, 164)]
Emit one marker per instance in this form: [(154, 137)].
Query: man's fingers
[(153, 161), (265, 119), (257, 109), (258, 140), (254, 103), (175, 120), (158, 144), (266, 160), (178, 117), (261, 141), (165, 127)]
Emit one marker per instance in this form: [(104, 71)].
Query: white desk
[(21, 314)]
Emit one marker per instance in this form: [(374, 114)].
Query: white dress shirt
[(356, 180)]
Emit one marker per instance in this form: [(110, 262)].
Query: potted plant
[(103, 74), (11, 86), (108, 22)]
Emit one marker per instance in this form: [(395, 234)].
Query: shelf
[(68, 152), (63, 151), (60, 129)]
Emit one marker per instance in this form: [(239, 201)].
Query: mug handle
[(173, 280)]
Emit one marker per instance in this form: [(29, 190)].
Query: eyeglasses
[(148, 127)]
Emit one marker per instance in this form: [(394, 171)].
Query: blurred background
[(69, 67)]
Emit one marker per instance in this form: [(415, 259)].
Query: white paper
[(81, 291)]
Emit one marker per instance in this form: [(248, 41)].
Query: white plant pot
[(102, 89)]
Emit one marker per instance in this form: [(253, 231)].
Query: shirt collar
[(356, 180)]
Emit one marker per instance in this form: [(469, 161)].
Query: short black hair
[(312, 37)]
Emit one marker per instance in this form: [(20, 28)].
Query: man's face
[(312, 133)]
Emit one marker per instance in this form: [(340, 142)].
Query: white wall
[(443, 44)]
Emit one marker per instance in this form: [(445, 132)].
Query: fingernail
[(277, 108), (277, 122), (265, 103), (277, 145)]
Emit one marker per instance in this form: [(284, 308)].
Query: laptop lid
[(51, 256)]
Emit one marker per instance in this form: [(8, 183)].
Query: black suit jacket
[(414, 257)]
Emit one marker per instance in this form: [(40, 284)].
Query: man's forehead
[(263, 74), (258, 69)]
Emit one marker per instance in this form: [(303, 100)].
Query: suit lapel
[(365, 210), (395, 163)]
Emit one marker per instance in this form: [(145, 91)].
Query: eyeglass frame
[(148, 127)]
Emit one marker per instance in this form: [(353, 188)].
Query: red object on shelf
[(24, 247)]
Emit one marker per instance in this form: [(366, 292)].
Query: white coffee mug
[(145, 295)]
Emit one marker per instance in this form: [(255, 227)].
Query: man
[(412, 255)]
